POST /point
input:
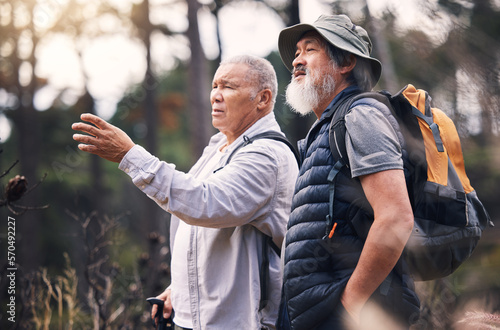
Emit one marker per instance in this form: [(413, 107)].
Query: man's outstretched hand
[(104, 140)]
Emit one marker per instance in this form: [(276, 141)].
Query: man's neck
[(233, 136), (328, 99)]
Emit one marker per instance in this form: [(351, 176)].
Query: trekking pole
[(162, 323)]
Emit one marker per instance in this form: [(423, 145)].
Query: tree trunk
[(198, 82), (218, 6), (293, 13), (383, 52), (29, 223), (299, 127)]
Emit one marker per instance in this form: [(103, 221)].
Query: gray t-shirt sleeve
[(372, 143)]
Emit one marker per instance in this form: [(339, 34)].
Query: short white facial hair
[(304, 98)]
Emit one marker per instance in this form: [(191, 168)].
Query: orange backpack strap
[(451, 141)]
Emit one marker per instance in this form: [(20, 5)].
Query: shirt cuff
[(142, 167), (132, 160)]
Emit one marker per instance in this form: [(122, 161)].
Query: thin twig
[(8, 170)]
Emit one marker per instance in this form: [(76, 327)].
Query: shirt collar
[(266, 123), (346, 91)]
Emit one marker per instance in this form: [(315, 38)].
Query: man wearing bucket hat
[(336, 280)]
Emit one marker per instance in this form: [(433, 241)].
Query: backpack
[(267, 241), (448, 216)]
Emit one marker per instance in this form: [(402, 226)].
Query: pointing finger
[(82, 127), (84, 139), (88, 148), (99, 122)]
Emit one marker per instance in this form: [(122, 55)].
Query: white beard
[(304, 98)]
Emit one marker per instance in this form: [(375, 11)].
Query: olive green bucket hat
[(339, 31)]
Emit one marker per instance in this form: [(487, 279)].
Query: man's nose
[(215, 95), (298, 60)]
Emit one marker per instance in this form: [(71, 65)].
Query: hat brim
[(288, 38)]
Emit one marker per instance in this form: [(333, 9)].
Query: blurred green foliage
[(471, 46)]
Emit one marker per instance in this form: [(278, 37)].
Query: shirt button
[(143, 186), (127, 170)]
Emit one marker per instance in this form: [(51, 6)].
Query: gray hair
[(261, 70), (361, 75)]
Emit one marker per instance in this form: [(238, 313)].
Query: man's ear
[(348, 65), (264, 98)]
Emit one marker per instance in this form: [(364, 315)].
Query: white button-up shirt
[(217, 246)]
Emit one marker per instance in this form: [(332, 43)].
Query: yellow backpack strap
[(453, 147), (421, 108)]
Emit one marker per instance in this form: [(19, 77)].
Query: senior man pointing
[(227, 216)]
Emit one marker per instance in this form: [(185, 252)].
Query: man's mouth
[(299, 71)]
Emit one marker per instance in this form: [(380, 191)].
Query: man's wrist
[(125, 162), (351, 304)]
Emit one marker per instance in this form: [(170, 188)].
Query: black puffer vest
[(317, 268)]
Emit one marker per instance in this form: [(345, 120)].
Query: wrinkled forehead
[(232, 72)]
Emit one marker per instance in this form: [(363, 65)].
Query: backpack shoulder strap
[(337, 126), (336, 140), (273, 135)]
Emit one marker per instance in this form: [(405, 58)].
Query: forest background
[(89, 247)]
